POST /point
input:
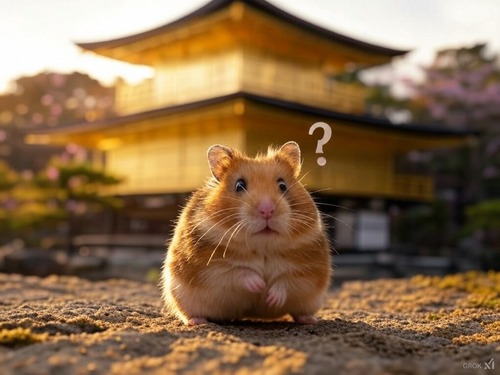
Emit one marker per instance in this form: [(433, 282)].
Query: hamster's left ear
[(291, 152), (219, 158)]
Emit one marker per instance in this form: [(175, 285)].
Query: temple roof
[(369, 122), (265, 7)]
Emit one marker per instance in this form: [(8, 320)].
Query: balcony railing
[(190, 82)]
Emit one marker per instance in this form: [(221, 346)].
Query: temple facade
[(247, 74)]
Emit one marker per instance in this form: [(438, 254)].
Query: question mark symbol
[(327, 134)]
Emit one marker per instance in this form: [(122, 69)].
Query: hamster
[(249, 244)]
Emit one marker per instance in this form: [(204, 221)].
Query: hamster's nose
[(266, 208)]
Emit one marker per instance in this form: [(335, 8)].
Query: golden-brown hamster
[(248, 244)]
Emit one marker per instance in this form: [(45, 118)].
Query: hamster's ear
[(219, 158), (291, 152)]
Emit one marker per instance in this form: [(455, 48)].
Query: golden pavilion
[(247, 74)]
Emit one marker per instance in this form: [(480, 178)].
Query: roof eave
[(359, 120), (262, 5)]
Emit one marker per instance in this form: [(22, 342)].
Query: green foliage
[(382, 103), (460, 90), (67, 187), (18, 208), (483, 220), (484, 215), (8, 177), (32, 202), (348, 76), (78, 182)]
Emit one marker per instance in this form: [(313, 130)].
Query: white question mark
[(323, 141)]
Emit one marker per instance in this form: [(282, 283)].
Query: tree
[(42, 186), (54, 99), (461, 90), (483, 221), (67, 188), (23, 206), (47, 100), (76, 187)]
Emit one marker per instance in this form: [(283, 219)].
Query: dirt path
[(65, 325)]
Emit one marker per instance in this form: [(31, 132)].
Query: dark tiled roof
[(323, 114), (262, 5)]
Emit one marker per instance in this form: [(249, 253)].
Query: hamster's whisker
[(339, 220), (335, 206), (297, 203), (299, 181), (303, 176), (319, 190), (305, 219), (236, 230), (293, 228), (211, 216), (300, 223), (298, 210), (220, 241), (222, 221)]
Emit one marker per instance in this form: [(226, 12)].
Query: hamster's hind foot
[(305, 319), (196, 321)]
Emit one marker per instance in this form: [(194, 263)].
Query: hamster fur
[(249, 244)]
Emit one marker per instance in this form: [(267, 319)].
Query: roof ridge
[(265, 6)]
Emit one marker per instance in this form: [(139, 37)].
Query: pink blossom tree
[(461, 90)]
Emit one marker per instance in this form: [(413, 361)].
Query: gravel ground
[(68, 325)]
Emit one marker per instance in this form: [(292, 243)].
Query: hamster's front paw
[(253, 282), (277, 295)]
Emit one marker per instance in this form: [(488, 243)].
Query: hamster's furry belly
[(220, 297)]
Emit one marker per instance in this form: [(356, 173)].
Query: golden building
[(246, 74)]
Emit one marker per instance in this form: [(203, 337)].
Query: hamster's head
[(258, 200)]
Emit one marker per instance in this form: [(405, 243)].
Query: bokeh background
[(106, 113)]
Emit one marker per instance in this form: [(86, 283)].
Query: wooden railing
[(187, 82)]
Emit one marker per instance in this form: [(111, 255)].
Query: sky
[(39, 35)]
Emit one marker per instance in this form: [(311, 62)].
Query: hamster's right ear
[(219, 159)]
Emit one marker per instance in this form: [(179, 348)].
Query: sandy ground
[(67, 325)]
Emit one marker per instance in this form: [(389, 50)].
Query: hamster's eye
[(282, 185), (240, 185)]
